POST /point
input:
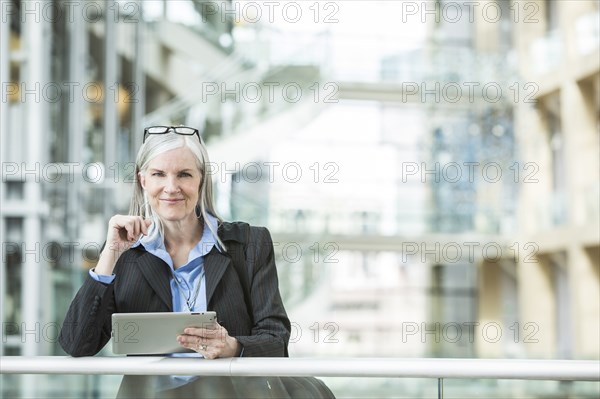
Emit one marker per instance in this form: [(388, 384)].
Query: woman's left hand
[(211, 343)]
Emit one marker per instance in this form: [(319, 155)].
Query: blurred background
[(429, 170)]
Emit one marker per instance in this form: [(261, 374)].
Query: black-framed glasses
[(183, 130)]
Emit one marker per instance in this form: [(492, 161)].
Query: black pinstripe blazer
[(142, 285)]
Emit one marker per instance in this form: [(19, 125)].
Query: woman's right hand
[(123, 232)]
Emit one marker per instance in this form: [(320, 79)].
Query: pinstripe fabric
[(142, 285)]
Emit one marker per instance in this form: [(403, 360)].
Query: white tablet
[(154, 333)]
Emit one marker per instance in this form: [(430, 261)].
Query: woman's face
[(172, 181)]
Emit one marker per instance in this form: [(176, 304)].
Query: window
[(552, 21)]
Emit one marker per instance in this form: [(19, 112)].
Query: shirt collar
[(154, 240)]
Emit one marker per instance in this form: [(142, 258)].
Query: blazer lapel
[(215, 264), (156, 272)]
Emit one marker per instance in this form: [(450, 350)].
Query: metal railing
[(440, 369)]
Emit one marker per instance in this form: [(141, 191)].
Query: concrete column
[(537, 306), (584, 265), (4, 77), (578, 126), (76, 131), (111, 86), (139, 105), (490, 307), (36, 124)]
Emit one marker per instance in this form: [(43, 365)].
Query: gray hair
[(157, 144)]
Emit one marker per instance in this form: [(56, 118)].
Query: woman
[(170, 254)]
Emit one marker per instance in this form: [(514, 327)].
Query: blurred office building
[(431, 182), (558, 210)]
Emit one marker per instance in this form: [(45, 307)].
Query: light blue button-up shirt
[(189, 276)]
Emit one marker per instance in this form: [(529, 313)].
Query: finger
[(215, 349), (201, 332), (205, 348), (146, 225), (141, 226), (137, 228), (190, 341), (115, 226), (220, 332), (121, 226), (128, 232), (130, 226), (118, 234)]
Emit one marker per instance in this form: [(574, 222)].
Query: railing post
[(440, 388)]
